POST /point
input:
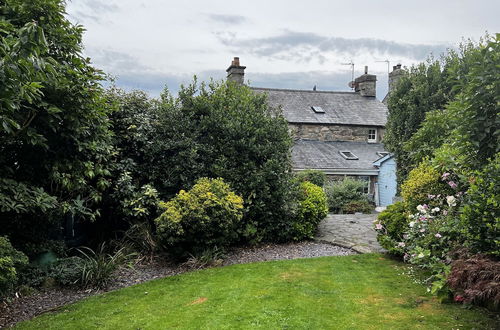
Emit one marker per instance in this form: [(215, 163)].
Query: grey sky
[(285, 44)]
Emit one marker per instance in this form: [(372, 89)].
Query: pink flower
[(438, 235), (431, 196), (401, 244), (445, 212), (422, 230), (459, 298), (422, 218), (445, 175), (378, 226), (452, 184)]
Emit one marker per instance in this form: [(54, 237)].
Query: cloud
[(305, 46), (227, 19), (116, 62), (93, 10)]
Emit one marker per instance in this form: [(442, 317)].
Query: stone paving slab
[(353, 231)]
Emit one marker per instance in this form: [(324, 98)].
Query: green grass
[(354, 292)]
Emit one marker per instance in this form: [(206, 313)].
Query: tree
[(54, 128), (227, 131), (425, 91)]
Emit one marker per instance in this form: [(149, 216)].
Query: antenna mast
[(351, 84)]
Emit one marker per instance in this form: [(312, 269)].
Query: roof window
[(348, 155), (318, 109)]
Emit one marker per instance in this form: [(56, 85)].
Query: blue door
[(387, 184)]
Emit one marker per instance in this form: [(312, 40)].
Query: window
[(348, 155), (366, 181), (372, 135), (318, 109), (382, 153)]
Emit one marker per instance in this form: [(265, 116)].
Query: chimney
[(236, 72), (366, 84), (395, 76)]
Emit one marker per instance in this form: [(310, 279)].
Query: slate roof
[(308, 154), (347, 108)]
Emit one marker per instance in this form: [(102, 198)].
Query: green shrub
[(422, 182), (390, 225), (313, 176), (362, 206), (10, 262), (480, 214), (339, 193), (225, 130), (67, 271), (312, 209), (205, 217)]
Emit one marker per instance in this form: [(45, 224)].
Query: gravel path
[(27, 307)]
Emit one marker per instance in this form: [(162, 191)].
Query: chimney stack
[(394, 77), (236, 72), (366, 84)]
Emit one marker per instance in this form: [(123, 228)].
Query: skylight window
[(382, 153), (348, 155), (318, 109)]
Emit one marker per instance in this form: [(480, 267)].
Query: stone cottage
[(339, 133)]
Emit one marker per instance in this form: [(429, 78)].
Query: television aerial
[(351, 83)]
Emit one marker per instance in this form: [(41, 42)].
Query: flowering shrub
[(426, 233), (391, 224), (202, 218), (424, 183), (313, 208)]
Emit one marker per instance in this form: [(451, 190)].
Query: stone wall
[(333, 132)]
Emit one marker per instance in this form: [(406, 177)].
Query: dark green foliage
[(205, 217), (54, 136), (481, 213), (313, 208), (393, 222), (225, 130), (426, 87), (356, 206), (11, 260), (421, 90), (313, 176), (67, 271), (340, 193)]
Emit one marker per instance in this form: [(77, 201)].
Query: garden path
[(353, 231)]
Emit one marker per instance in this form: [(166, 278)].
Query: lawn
[(353, 292)]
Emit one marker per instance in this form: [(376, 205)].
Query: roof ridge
[(303, 90)]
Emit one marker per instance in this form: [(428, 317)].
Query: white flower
[(420, 208), (401, 244), (412, 224), (435, 210), (451, 200), (438, 235)]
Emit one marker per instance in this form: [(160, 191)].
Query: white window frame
[(374, 140)]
